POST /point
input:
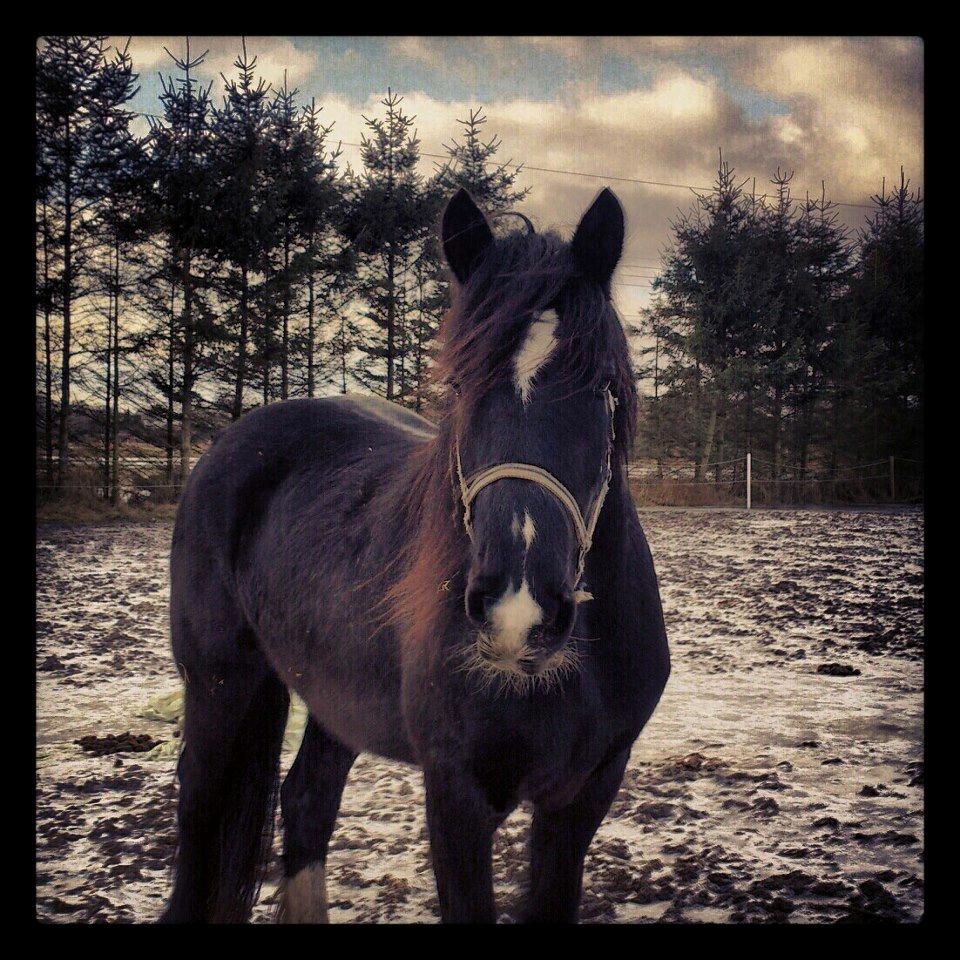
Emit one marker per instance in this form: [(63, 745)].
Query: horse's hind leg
[(235, 710), (309, 799)]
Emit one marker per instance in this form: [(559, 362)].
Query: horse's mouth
[(526, 664)]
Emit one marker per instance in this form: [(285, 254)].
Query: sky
[(848, 111)]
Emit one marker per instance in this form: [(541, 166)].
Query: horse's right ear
[(466, 234)]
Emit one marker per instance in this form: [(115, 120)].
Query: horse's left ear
[(598, 241)]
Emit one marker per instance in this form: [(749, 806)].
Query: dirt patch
[(763, 790)]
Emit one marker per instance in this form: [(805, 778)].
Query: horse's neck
[(615, 519)]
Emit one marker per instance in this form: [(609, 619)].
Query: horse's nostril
[(560, 622), (480, 598)]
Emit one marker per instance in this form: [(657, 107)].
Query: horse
[(475, 597)]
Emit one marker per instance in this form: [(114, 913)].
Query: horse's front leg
[(310, 800), (461, 825), (559, 841)]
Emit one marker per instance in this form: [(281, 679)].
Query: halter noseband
[(584, 526)]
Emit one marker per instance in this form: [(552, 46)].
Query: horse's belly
[(366, 720)]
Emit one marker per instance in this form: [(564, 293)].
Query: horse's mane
[(522, 274)]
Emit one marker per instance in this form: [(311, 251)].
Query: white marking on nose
[(535, 351), (526, 531), (512, 617), (529, 529)]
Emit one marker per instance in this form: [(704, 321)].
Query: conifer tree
[(240, 231), (391, 212), (182, 171), (472, 165), (78, 93), (888, 294)]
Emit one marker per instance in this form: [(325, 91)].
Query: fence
[(140, 479), (748, 481), (740, 481)]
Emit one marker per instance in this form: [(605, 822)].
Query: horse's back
[(252, 457)]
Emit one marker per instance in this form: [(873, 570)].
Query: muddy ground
[(781, 778)]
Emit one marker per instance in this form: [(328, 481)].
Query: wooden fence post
[(749, 482)]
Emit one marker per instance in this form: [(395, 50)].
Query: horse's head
[(539, 368)]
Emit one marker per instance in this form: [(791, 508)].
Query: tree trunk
[(285, 346), (391, 320), (697, 418), (237, 411), (310, 336), (115, 490), (63, 439), (186, 424), (48, 355), (706, 451), (775, 438), (109, 381), (170, 375)]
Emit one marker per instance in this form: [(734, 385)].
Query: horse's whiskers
[(480, 660)]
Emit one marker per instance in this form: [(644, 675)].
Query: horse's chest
[(545, 762)]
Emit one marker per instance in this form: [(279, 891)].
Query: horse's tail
[(229, 771), (247, 803)]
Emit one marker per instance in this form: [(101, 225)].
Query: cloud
[(275, 55), (845, 110)]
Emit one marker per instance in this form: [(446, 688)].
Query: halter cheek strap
[(584, 526)]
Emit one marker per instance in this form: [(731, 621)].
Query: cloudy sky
[(845, 110)]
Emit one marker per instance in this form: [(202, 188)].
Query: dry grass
[(100, 511), (673, 493)]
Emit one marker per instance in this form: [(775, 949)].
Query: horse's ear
[(466, 234), (598, 241)]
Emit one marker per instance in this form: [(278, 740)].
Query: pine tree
[(707, 313), (327, 261), (240, 233), (122, 222), (80, 94), (181, 167), (391, 213), (888, 293), (825, 254), (472, 166)]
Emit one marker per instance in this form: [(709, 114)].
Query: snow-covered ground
[(760, 790)]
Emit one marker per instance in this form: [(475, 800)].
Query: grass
[(672, 493), (102, 511)]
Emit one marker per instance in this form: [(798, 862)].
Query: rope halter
[(583, 525)]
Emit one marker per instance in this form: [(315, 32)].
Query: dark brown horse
[(476, 598)]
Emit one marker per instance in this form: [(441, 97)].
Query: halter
[(583, 525)]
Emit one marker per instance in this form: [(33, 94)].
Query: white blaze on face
[(534, 352), (512, 617)]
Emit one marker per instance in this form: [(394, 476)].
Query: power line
[(577, 173), (605, 176)]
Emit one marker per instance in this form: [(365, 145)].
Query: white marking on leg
[(304, 897), (534, 353)]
